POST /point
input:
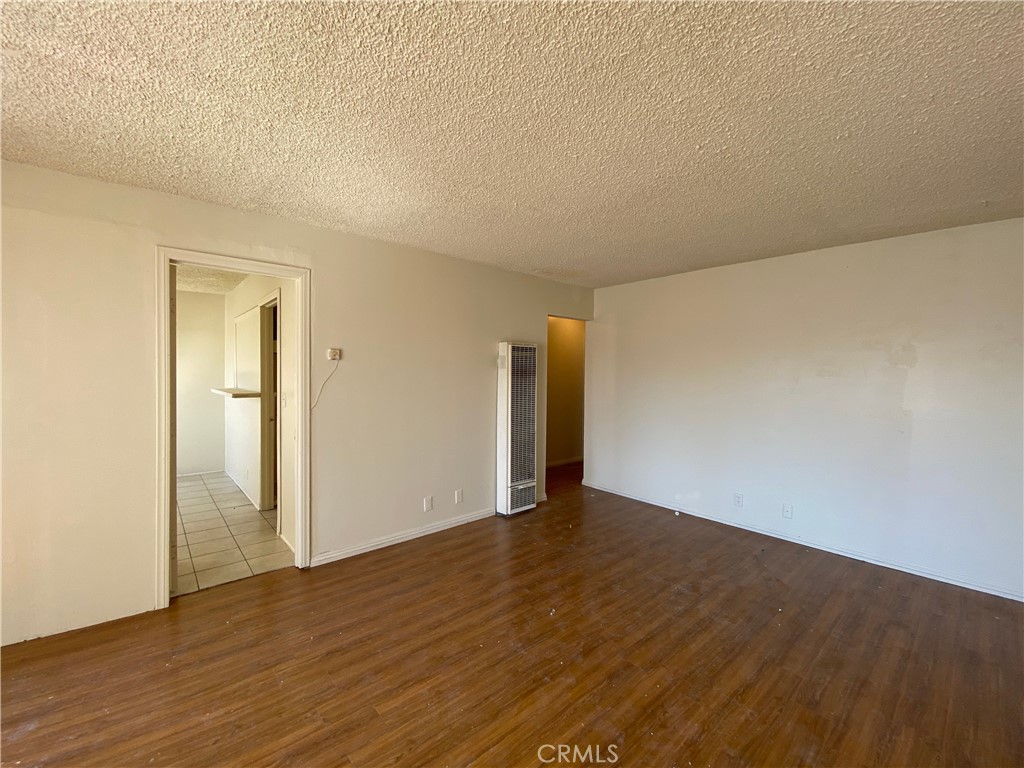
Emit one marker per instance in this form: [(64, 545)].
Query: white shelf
[(232, 392)]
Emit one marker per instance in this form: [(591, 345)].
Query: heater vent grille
[(523, 497), (523, 417), (516, 452)]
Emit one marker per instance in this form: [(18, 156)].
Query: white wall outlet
[(737, 500), (787, 511), (333, 354), (458, 496), (428, 503)]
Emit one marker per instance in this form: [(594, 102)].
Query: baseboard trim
[(398, 538), (239, 485), (563, 462), (912, 569)]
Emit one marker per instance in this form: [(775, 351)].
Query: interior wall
[(565, 394), (410, 412), (242, 426), (875, 387), (200, 365), (242, 417)]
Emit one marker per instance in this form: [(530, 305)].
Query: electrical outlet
[(787, 511), (428, 503), (333, 354), (737, 500), (458, 496)]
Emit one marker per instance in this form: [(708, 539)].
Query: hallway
[(221, 535)]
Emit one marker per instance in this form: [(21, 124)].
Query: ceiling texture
[(190, 277), (591, 143)]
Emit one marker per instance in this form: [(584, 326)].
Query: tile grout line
[(230, 533), (195, 572), (212, 501), (228, 526), (210, 492)]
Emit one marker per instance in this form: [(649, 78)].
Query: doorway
[(270, 378), (229, 523), (565, 401), (251, 514)]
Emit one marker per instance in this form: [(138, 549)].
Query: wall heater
[(517, 427)]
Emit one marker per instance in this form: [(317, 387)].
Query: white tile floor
[(221, 535)]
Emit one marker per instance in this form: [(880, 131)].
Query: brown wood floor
[(593, 621)]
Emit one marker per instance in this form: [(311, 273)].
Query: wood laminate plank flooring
[(594, 621)]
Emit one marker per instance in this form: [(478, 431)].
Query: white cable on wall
[(321, 391)]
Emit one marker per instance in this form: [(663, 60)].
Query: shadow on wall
[(566, 376)]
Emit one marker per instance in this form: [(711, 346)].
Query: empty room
[(512, 384)]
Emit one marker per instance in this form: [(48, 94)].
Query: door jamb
[(273, 299), (301, 275)]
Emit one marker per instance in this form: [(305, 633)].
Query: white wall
[(410, 412), (200, 364), (242, 425), (566, 370), (876, 387)]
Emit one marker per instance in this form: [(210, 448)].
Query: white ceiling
[(189, 277), (592, 143)]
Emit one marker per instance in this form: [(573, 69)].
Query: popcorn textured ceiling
[(593, 143), (190, 277)]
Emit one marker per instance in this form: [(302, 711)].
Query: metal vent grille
[(523, 416), (524, 496)]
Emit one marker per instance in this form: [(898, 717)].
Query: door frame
[(165, 255), (269, 481)]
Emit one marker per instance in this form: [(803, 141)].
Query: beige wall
[(242, 430), (876, 387), (200, 364), (242, 423), (566, 353), (410, 412)]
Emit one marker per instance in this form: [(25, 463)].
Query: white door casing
[(299, 336)]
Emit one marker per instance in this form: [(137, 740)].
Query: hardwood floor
[(593, 621)]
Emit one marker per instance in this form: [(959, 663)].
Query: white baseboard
[(239, 486), (916, 570), (396, 538), (197, 474), (563, 462)]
